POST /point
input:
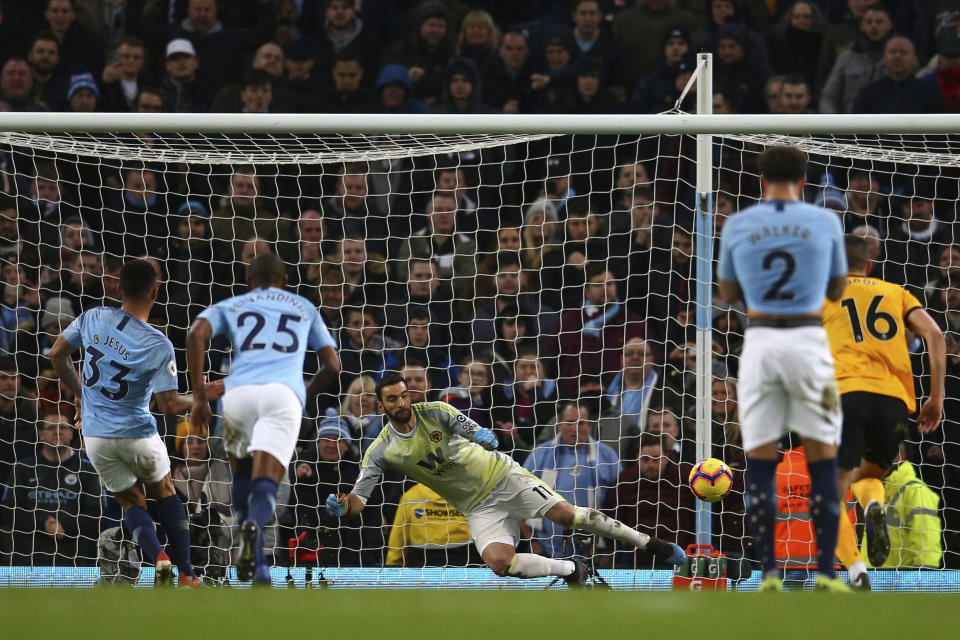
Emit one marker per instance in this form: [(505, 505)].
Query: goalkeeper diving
[(439, 446)]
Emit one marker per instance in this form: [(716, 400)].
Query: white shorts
[(262, 417), (122, 462), (786, 384), (519, 496)]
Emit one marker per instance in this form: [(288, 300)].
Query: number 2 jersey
[(270, 330), (125, 362), (866, 330), (438, 453), (783, 254)]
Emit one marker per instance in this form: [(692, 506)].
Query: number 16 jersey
[(270, 330), (125, 362), (783, 254), (866, 330)]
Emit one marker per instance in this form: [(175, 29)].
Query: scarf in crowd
[(595, 326), (632, 402), (949, 80)]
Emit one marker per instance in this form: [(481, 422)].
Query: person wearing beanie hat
[(393, 91), (462, 90), (83, 94), (655, 92), (739, 68), (426, 52), (554, 72)]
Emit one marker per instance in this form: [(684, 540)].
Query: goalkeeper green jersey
[(439, 453)]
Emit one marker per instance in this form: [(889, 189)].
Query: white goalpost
[(356, 205)]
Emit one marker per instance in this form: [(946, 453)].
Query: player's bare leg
[(259, 476), (503, 560), (592, 521)]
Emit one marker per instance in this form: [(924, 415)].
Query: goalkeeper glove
[(485, 438), (337, 506)]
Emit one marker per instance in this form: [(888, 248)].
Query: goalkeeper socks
[(592, 521), (847, 549), (868, 490), (762, 509), (144, 531), (173, 517), (262, 504), (531, 565), (240, 494), (825, 511)]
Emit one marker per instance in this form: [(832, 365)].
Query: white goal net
[(509, 275)]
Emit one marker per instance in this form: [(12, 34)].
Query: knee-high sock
[(847, 549), (173, 518), (825, 511), (867, 490), (262, 504), (592, 521), (530, 565), (144, 531), (240, 495), (762, 509)]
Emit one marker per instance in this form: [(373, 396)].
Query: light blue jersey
[(783, 254), (125, 362), (270, 330)]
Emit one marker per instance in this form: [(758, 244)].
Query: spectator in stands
[(54, 500), (510, 293), (331, 295), (16, 86), (110, 20), (506, 76), (10, 242), (394, 92), (428, 532), (418, 347), (557, 188), (640, 31), (479, 37), (78, 45), (256, 92), (475, 395), (577, 467), (729, 12), (553, 74), (772, 94), (795, 95), (135, 219), (304, 252), (266, 69), (301, 74), (947, 270), (149, 100), (50, 82), (193, 270), (245, 213), (124, 75), (423, 290), (511, 330), (17, 415), (42, 212), (352, 210), (359, 406), (864, 202), (426, 52), (668, 289), (348, 93), (362, 346), (899, 91), (943, 71), (839, 37), (662, 422), (797, 39), (874, 242), (591, 338), (590, 93), (912, 245), (539, 236), (859, 65), (342, 30), (83, 95), (631, 391), (364, 273), (741, 69), (533, 398), (591, 37), (656, 88), (186, 87), (462, 90), (454, 252), (652, 497), (332, 467), (452, 180)]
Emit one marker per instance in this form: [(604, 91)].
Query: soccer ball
[(711, 479)]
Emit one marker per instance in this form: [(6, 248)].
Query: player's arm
[(920, 322), (835, 288), (197, 337), (345, 505), (173, 403), (458, 423), (730, 291), (371, 471), (324, 378), (61, 356)]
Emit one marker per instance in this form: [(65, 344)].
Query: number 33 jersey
[(783, 255), (866, 330), (270, 330), (125, 362)]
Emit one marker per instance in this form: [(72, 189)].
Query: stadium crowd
[(544, 289)]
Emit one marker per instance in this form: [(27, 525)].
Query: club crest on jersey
[(172, 367), (436, 436), (461, 417), (71, 479)]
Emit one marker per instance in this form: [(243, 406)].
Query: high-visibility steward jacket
[(426, 525), (913, 521)]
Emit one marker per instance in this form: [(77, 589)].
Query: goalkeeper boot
[(247, 557), (667, 551), (164, 570), (878, 539), (861, 582), (188, 582), (833, 585), (580, 576)]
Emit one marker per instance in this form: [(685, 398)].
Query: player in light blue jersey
[(126, 361), (270, 330), (782, 256)]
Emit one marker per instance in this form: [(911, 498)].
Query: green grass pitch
[(460, 615)]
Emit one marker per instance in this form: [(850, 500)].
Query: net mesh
[(473, 264)]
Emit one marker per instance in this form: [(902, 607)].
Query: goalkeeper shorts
[(123, 462), (786, 384), (520, 495), (262, 417)]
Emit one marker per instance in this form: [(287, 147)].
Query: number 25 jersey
[(270, 330), (866, 330)]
